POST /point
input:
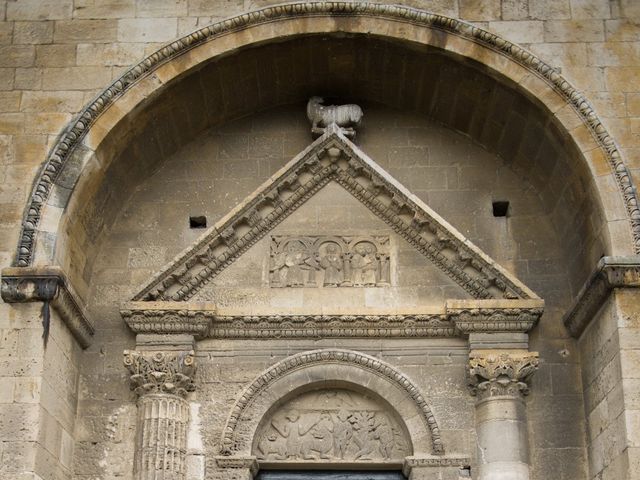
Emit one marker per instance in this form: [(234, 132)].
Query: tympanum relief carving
[(329, 261), (332, 425)]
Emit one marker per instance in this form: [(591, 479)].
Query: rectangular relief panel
[(329, 261)]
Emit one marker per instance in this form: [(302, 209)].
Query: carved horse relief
[(331, 425)]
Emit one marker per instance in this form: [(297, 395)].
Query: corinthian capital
[(161, 372), (494, 373)]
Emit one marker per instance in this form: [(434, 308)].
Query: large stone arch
[(330, 368), (71, 174)]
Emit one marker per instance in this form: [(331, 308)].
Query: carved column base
[(162, 437)]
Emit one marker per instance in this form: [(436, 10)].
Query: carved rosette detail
[(501, 373), (161, 372)]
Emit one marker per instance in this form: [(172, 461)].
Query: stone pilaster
[(499, 379), (161, 380)]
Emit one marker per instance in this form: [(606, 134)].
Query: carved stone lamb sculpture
[(347, 117)]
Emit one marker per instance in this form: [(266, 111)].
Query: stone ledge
[(48, 284), (494, 316), (467, 317), (610, 273), (433, 461), (169, 318)]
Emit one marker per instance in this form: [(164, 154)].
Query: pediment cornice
[(332, 157)]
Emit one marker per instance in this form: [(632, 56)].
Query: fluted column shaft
[(499, 381), (162, 380)]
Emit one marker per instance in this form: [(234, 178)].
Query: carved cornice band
[(497, 373), (491, 316), (461, 317), (331, 326), (161, 372), (169, 321), (76, 131), (48, 285), (610, 273)]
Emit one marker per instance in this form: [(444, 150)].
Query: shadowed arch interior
[(457, 93)]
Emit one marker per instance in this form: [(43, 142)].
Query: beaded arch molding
[(78, 128), (229, 442)]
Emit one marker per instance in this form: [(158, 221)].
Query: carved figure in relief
[(329, 261), (347, 117), (331, 424), (293, 265), (333, 266), (364, 265), (281, 440), (272, 443), (342, 434), (383, 432), (319, 441), (363, 425)]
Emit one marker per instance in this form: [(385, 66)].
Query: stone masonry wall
[(212, 174), (609, 355), (55, 55)]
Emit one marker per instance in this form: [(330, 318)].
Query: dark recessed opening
[(500, 208), (198, 222), (465, 471)]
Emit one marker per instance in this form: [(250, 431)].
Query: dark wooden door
[(327, 475)]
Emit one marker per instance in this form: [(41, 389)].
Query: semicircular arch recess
[(68, 172), (330, 367)]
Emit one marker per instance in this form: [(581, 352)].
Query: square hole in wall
[(198, 222), (500, 208)]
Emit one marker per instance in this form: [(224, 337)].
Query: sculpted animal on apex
[(347, 117)]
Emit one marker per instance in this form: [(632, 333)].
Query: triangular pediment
[(332, 158)]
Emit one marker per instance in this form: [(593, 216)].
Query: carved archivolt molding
[(161, 372), (332, 157), (76, 131), (229, 444), (496, 373)]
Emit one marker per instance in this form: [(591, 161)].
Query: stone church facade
[(332, 240)]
